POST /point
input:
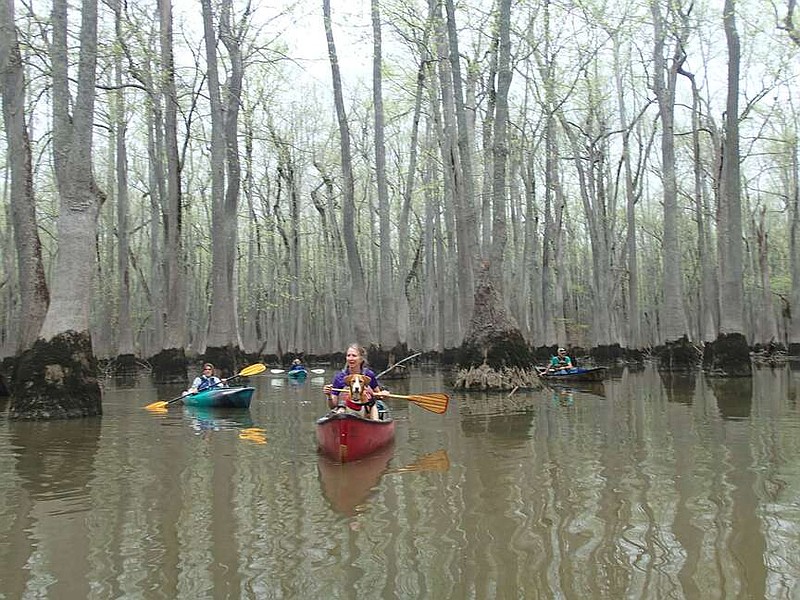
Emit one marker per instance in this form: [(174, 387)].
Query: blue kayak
[(574, 374), (221, 397)]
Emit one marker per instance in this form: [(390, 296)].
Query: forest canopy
[(260, 176)]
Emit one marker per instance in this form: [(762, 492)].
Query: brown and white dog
[(358, 399)]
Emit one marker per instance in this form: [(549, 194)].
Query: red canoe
[(346, 437)]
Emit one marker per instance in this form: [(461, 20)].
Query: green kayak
[(221, 397)]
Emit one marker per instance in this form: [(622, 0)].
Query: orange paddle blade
[(436, 403)]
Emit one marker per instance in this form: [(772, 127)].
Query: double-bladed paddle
[(314, 371), (246, 372)]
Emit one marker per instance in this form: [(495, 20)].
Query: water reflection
[(734, 396), (679, 387), (48, 537), (347, 486), (564, 394), (654, 489), (204, 420), (217, 419)]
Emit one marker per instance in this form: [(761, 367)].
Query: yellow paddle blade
[(252, 370), (433, 462), (436, 403), (157, 406), (253, 434)]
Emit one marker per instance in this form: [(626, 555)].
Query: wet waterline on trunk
[(640, 486)]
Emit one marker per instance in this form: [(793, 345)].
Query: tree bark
[(500, 147), (125, 345), (358, 292), (33, 291), (387, 327), (464, 190), (57, 377), (673, 319), (633, 320), (80, 198), (731, 287), (223, 326), (174, 296)]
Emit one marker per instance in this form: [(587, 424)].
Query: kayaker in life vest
[(297, 365), (355, 362), (560, 362), (205, 380)]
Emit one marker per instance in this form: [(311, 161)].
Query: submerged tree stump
[(56, 379), (494, 355)]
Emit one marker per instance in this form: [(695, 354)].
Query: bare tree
[(464, 190), (72, 389), (387, 327), (793, 30), (223, 329), (360, 314), (500, 146), (175, 270), (125, 345), (665, 71), (34, 295), (634, 327), (731, 288)]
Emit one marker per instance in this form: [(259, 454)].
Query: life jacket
[(206, 382)]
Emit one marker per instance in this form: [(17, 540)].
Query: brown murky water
[(638, 488)]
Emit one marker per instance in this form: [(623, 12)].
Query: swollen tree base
[(728, 356), (169, 366), (56, 379), (494, 354), (678, 356), (226, 359), (486, 378)]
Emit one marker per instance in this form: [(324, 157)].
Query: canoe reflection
[(348, 486), (206, 419), (564, 394)]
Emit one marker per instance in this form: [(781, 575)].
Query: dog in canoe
[(359, 398)]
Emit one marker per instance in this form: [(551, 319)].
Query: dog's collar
[(355, 405)]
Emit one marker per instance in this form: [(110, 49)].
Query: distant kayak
[(576, 374), (297, 373)]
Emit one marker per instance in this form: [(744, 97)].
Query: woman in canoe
[(355, 363), (206, 379)]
